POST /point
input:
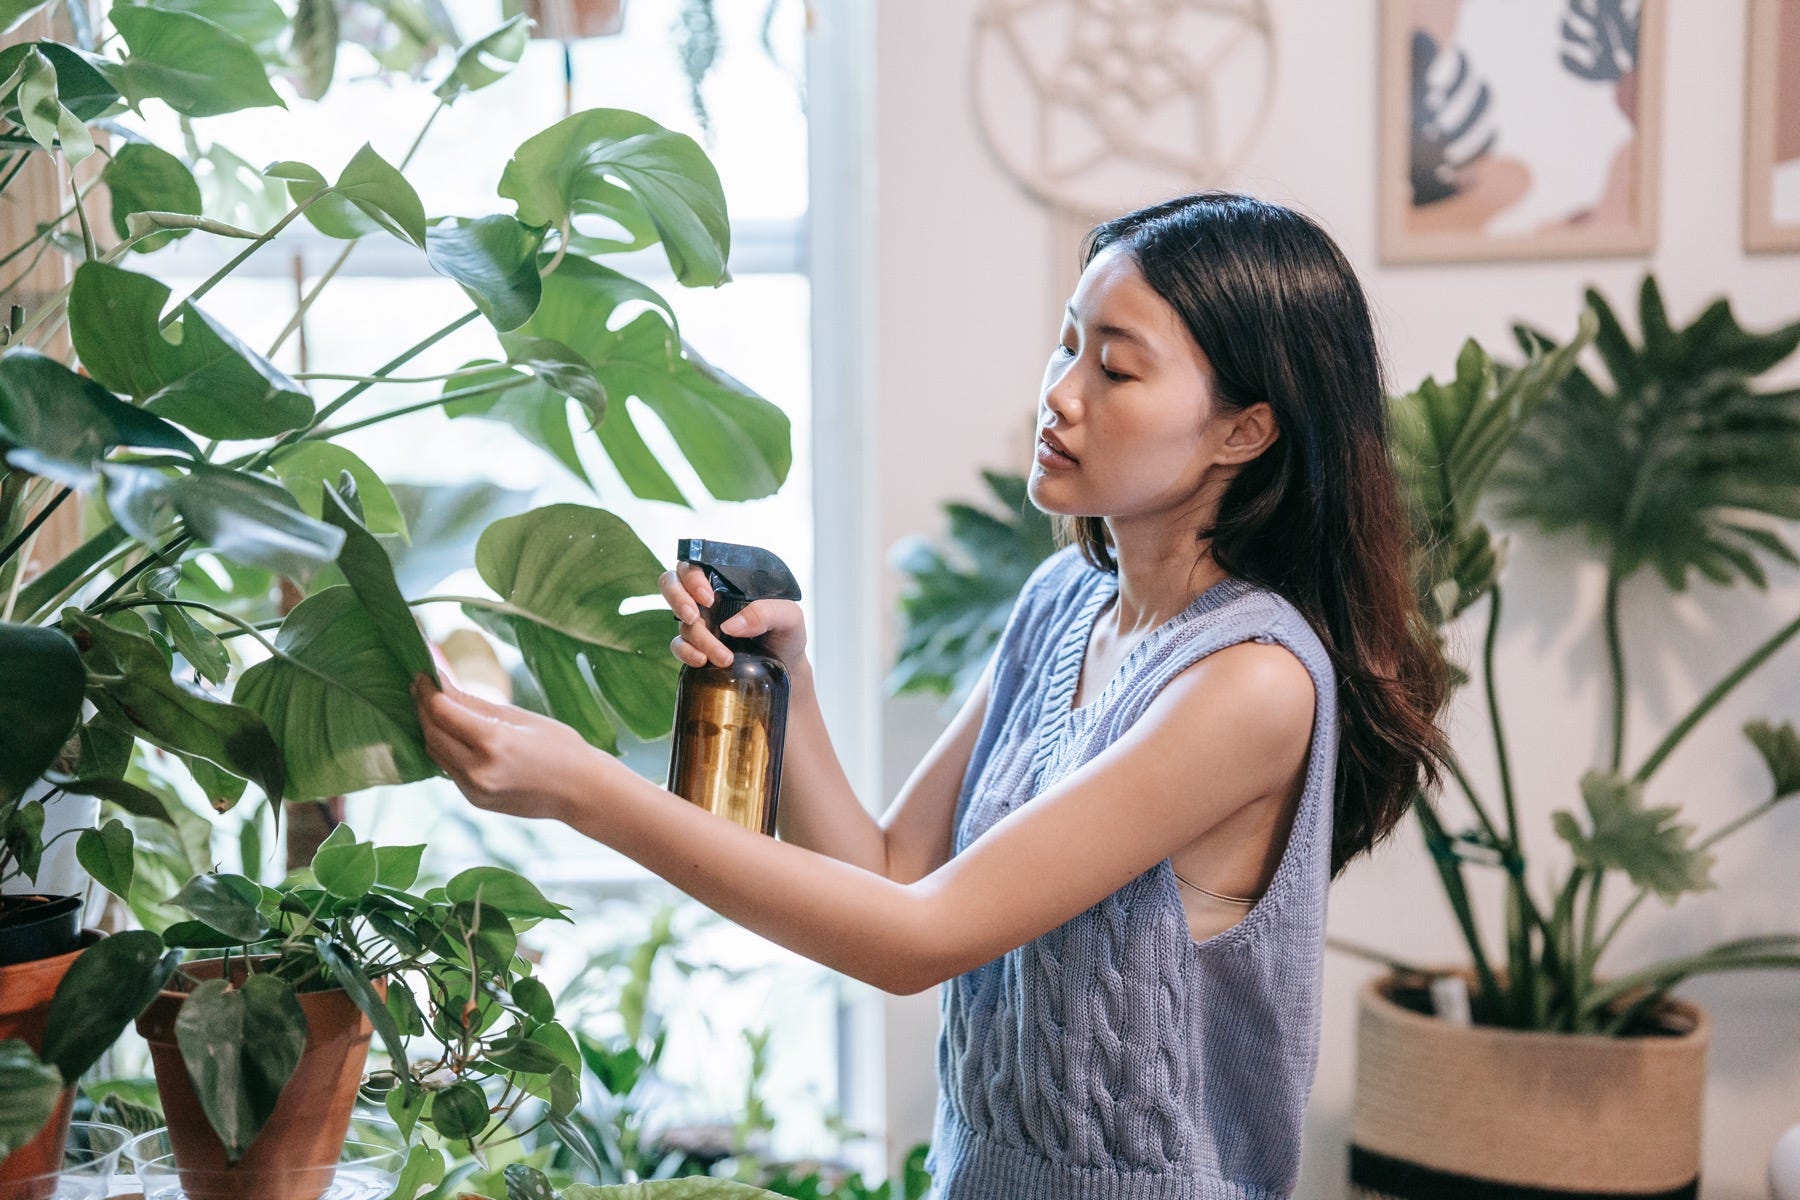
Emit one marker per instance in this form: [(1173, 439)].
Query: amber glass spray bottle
[(730, 721)]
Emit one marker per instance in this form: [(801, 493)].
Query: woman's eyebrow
[(1118, 331)]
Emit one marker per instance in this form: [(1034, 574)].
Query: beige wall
[(967, 293)]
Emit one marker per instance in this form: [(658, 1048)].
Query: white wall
[(966, 296)]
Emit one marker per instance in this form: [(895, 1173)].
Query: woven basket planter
[(1475, 1112)]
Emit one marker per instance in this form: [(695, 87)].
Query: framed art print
[(1772, 127), (1519, 128)]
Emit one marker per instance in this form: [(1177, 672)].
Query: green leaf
[(111, 982), (304, 465), (227, 903), (1643, 842), (524, 1057), (50, 124), (22, 836), (958, 599), (146, 178), (83, 90), (60, 424), (424, 1168), (199, 375), (568, 171), (1662, 466), (241, 1047), (29, 1091), (489, 932), (524, 402), (365, 565), (487, 59), (196, 67), (565, 570), (1780, 750), (340, 702), (527, 1183), (533, 998), (344, 866), (260, 23), (202, 648), (398, 866), (315, 44), (460, 1111), (369, 195), (352, 976), (511, 893), (35, 723), (247, 518), (494, 258), (105, 853), (141, 695), (12, 15), (139, 802)]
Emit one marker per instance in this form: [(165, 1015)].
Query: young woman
[(1212, 698)]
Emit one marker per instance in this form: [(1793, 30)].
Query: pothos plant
[(222, 509), (470, 1031), (1674, 461)]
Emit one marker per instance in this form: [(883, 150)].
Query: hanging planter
[(566, 20), (1475, 1111)]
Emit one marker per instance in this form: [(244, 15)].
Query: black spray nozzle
[(738, 574)]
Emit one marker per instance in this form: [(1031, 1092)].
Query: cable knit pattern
[(1116, 1058)]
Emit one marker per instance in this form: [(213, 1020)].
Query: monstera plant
[(232, 611)]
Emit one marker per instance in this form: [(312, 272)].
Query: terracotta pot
[(25, 992), (568, 19), (1478, 1112), (295, 1155)]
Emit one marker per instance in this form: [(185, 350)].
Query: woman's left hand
[(504, 758)]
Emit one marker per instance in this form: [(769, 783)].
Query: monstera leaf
[(1624, 835), (1447, 439), (956, 604), (1680, 464), (563, 572)]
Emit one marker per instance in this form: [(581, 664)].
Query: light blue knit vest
[(1115, 1056)]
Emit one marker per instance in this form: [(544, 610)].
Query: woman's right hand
[(778, 622)]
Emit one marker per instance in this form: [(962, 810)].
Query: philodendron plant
[(470, 1033), (223, 513), (1677, 462)]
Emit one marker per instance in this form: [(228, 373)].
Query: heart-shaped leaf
[(570, 169), (196, 67), (105, 853), (107, 987), (564, 571), (35, 721), (241, 1046), (510, 892), (50, 124), (199, 376), (344, 866), (487, 59), (227, 903), (81, 89), (145, 178), (339, 700)]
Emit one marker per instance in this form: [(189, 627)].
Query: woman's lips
[(1051, 458)]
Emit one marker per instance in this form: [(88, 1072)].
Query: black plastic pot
[(34, 927)]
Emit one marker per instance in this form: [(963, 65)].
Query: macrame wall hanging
[(1094, 107)]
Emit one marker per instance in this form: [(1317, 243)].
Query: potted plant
[(259, 1048), (1555, 1074), (58, 1015)]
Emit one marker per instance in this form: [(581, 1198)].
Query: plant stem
[(1712, 698), (237, 260), (312, 294), (310, 375), (1615, 656), (138, 568), (1456, 888), (13, 170), (242, 625), (43, 514), (1493, 704), (378, 418), (262, 456)]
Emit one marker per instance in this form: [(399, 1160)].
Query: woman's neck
[(1160, 573)]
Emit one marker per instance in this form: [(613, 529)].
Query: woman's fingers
[(442, 709)]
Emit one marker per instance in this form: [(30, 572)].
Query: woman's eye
[(1115, 376)]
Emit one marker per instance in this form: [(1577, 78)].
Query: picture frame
[(1772, 127), (1519, 129)]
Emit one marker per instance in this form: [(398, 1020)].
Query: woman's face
[(1129, 395)]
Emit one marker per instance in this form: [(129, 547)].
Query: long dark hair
[(1318, 517)]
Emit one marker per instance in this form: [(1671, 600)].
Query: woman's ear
[(1250, 432)]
